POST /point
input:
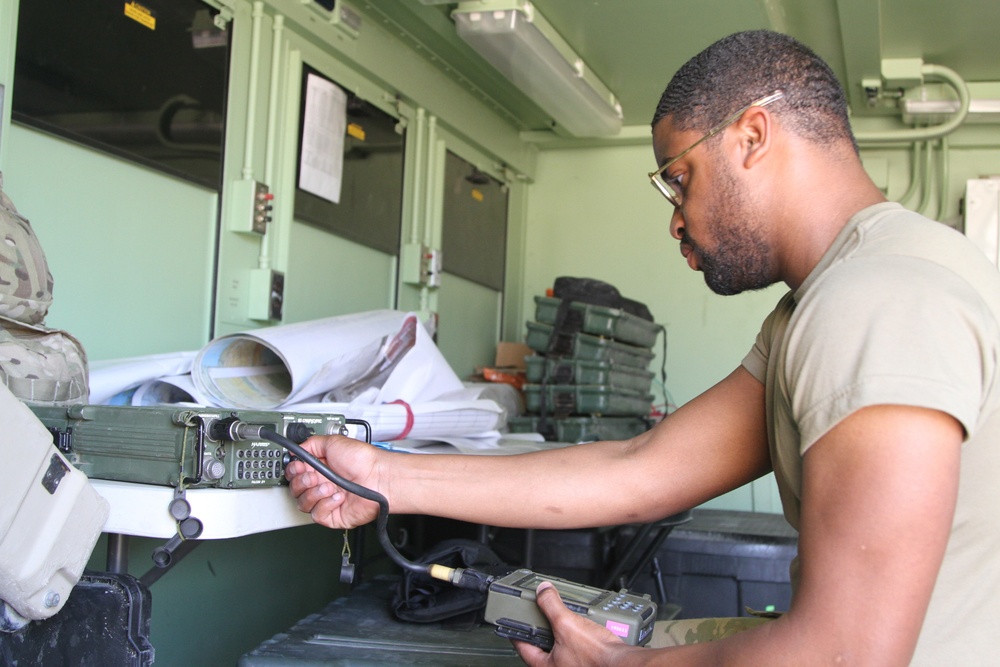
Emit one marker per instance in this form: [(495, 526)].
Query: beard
[(741, 259)]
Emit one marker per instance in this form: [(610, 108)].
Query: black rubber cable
[(381, 523)]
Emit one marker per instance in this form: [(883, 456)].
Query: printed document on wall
[(321, 164)]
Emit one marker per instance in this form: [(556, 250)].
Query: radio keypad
[(258, 464)]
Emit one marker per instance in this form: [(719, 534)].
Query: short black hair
[(746, 66)]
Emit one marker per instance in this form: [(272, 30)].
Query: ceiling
[(634, 46)]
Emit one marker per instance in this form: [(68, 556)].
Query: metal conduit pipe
[(943, 189), (914, 173), (925, 194), (277, 28), (257, 13), (927, 133), (419, 186)]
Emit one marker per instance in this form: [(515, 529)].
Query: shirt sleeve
[(907, 334), (757, 358)]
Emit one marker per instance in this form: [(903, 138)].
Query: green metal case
[(599, 321), (174, 446)]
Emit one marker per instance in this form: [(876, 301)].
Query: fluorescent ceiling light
[(936, 110), (527, 50)]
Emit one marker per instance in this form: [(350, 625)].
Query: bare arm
[(879, 494), (712, 444)]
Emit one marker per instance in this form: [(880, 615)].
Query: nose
[(677, 224)]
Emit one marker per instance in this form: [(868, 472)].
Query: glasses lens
[(667, 188)]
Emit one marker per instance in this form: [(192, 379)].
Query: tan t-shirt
[(901, 310)]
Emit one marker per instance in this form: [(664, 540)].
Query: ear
[(754, 132)]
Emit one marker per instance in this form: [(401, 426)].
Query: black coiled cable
[(381, 523)]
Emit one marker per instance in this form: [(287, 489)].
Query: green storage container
[(583, 429), (587, 347), (599, 321), (586, 399), (582, 371)]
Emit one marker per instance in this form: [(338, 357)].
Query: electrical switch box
[(252, 205), (902, 73), (267, 295), (421, 265)]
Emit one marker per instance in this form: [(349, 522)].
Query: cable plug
[(466, 578), (298, 432)]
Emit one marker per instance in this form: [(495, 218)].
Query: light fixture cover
[(522, 46)]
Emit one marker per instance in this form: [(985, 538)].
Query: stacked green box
[(599, 321), (586, 371), (589, 379), (586, 346), (586, 399), (583, 429)]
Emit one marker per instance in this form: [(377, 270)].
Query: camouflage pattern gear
[(38, 365), (697, 630), (43, 366), (25, 281)]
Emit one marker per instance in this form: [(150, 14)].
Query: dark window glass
[(370, 209), (143, 80), (474, 225)]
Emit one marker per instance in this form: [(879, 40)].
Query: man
[(872, 392)]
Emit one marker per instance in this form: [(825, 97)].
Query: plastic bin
[(586, 347), (583, 429), (579, 555), (724, 561), (105, 621), (586, 399), (581, 371), (599, 321)]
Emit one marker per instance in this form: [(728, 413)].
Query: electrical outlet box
[(267, 295), (433, 267), (420, 265), (251, 207), (902, 73), (339, 14)]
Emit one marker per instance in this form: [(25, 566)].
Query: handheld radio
[(511, 606)]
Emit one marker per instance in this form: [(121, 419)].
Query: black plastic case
[(104, 622)]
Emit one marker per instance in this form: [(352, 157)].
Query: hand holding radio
[(578, 641), (328, 504)]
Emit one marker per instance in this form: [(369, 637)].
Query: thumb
[(548, 600)]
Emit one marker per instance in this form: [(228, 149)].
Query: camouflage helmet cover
[(25, 280)]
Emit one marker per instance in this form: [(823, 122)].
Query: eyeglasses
[(670, 187)]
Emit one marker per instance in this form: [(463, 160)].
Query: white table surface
[(142, 510)]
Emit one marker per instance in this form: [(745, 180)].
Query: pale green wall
[(130, 250), (342, 276), (468, 316)]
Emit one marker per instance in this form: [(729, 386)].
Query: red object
[(409, 420)]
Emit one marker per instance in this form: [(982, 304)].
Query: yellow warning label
[(477, 194), (356, 131), (140, 14)]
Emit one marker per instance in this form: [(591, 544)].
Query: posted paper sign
[(321, 165)]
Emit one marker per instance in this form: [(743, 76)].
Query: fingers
[(317, 446), (323, 499), (531, 655), (309, 487)]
